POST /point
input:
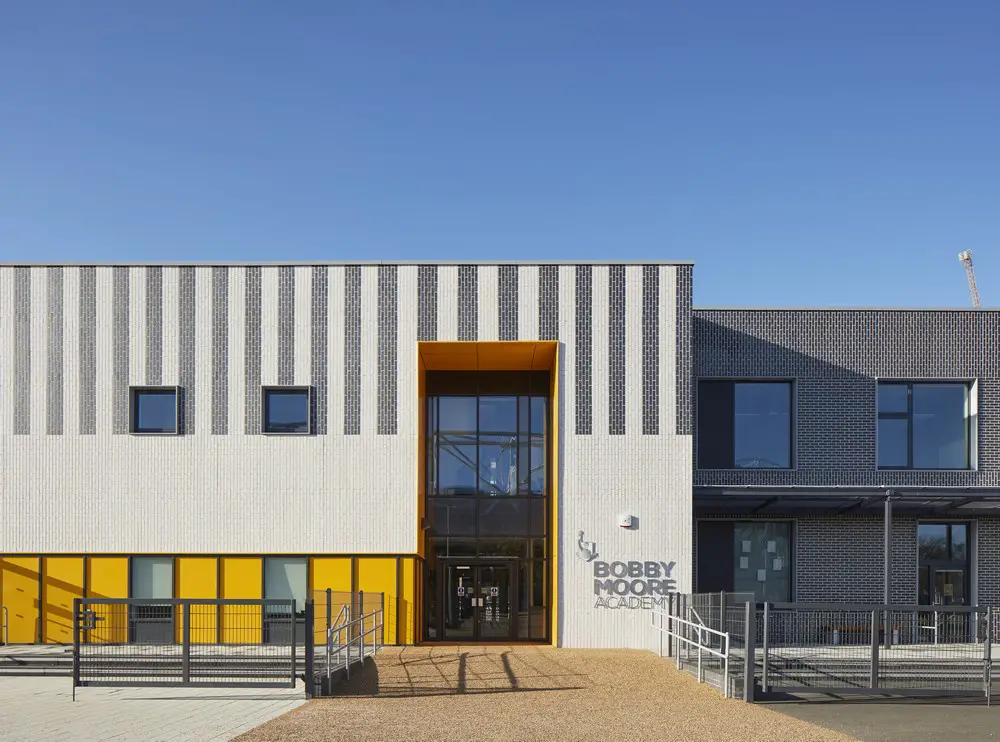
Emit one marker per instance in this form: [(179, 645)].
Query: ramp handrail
[(674, 623), (359, 639)]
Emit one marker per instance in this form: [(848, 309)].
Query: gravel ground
[(529, 693)]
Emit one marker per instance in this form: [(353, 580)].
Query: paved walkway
[(529, 693), (40, 708)]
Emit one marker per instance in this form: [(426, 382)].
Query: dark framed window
[(286, 410), (744, 424), (943, 561), (748, 557), (923, 425), (153, 410), (488, 439)]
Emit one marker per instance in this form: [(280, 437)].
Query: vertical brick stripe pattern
[(584, 346), (88, 351), (616, 350), (468, 302), (427, 302), (286, 325), (22, 351), (120, 349), (154, 325), (651, 350), (187, 356), (54, 386), (684, 352), (548, 302), (352, 350), (252, 351), (220, 350), (507, 307), (388, 327), (320, 340)]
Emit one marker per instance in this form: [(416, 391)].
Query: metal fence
[(737, 645), (133, 642), (712, 636), (875, 648)]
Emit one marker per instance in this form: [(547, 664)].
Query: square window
[(153, 410), (923, 425), (286, 410), (745, 424)]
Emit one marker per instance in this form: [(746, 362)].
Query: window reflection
[(762, 432), (923, 425), (456, 414), (498, 415)]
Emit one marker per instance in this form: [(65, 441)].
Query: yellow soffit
[(509, 355)]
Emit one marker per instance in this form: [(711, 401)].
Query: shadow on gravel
[(463, 673)]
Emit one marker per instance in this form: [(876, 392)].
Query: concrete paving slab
[(41, 708)]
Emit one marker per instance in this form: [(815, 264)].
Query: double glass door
[(479, 600)]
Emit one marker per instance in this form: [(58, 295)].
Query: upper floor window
[(923, 425), (153, 410), (286, 410), (744, 425)]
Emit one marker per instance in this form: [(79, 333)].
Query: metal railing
[(3, 626), (692, 635), (876, 648), (171, 642), (356, 630)]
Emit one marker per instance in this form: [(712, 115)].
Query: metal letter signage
[(630, 585)]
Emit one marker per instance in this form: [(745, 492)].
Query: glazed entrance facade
[(488, 483)]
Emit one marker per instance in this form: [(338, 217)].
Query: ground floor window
[(943, 563), (746, 557), (285, 578), (151, 578)]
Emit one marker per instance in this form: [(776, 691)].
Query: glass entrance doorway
[(479, 601)]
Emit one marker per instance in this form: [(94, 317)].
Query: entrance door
[(479, 601)]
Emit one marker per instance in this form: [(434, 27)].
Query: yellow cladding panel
[(408, 601), (63, 584), (332, 573), (554, 507), (107, 577), (378, 575), (442, 356), (421, 449), (197, 577), (242, 577), (19, 577), (507, 356)]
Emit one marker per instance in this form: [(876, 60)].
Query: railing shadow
[(420, 671)]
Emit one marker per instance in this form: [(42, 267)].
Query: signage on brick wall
[(629, 585)]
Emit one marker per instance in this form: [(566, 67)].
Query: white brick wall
[(247, 493)]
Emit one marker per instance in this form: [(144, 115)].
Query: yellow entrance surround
[(511, 355)]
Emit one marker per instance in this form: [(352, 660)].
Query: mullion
[(909, 427)]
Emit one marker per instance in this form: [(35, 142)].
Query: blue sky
[(800, 153)]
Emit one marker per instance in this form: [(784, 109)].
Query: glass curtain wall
[(488, 485)]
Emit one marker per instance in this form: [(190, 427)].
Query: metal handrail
[(3, 626), (359, 639), (671, 630)]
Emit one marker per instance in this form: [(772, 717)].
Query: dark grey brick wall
[(685, 383), (835, 358), (840, 559), (987, 550)]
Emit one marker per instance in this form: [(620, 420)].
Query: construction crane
[(966, 257)]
